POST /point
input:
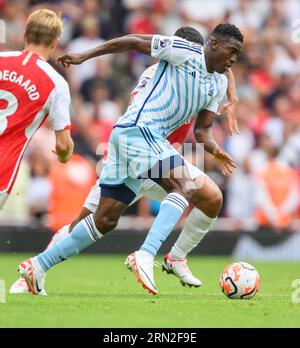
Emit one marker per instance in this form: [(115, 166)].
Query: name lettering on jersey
[(12, 76)]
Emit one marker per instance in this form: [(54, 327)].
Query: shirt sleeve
[(59, 108), (173, 49), (221, 92)]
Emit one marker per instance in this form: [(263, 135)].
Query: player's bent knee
[(210, 201), (215, 203), (106, 224), (217, 200)]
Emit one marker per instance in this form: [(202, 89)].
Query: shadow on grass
[(131, 296)]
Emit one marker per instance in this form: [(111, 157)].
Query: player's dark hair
[(228, 30), (190, 34)]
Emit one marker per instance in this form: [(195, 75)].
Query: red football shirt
[(30, 90), (179, 135)]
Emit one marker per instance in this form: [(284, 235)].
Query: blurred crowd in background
[(265, 188)]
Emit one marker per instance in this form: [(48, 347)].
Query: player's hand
[(69, 59), (229, 109), (225, 162), (62, 159)]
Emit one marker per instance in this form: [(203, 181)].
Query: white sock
[(195, 228)]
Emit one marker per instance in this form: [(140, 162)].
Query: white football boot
[(34, 280), (19, 287), (181, 270), (142, 264)]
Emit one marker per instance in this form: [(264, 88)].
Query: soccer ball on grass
[(239, 280)]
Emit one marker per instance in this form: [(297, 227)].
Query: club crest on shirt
[(144, 82)]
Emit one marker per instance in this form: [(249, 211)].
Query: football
[(239, 280)]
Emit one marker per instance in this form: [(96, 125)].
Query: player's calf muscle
[(212, 206)]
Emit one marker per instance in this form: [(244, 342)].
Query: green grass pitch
[(97, 291)]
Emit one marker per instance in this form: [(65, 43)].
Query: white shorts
[(149, 189), (3, 199)]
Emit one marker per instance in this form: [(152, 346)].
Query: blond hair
[(43, 27)]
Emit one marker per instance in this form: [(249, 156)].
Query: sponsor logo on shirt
[(193, 73), (165, 42)]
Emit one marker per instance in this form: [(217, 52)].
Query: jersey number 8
[(12, 106)]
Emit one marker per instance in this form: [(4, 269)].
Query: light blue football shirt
[(180, 88)]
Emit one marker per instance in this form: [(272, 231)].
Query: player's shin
[(83, 235), (196, 226), (172, 208)]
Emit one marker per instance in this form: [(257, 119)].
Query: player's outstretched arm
[(64, 145), (230, 107), (203, 135), (140, 43)]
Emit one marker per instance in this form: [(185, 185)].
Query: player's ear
[(213, 43), (54, 43)]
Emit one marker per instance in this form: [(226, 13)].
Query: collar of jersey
[(33, 53)]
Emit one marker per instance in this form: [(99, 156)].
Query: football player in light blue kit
[(189, 80)]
